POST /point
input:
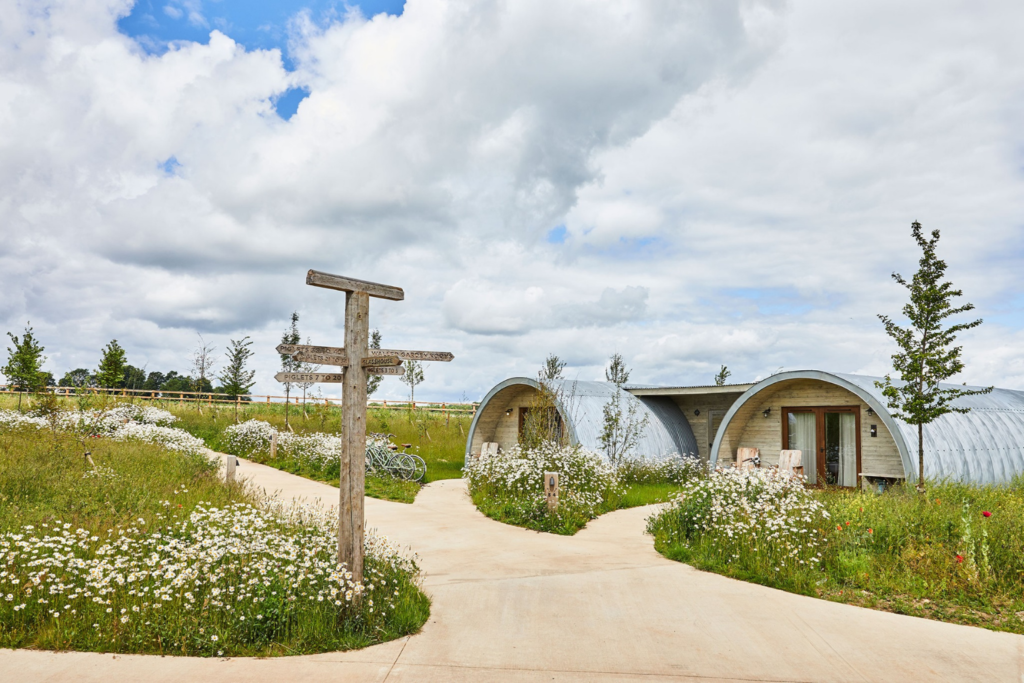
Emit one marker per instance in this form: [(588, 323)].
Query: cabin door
[(828, 438)]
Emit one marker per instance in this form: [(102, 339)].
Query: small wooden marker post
[(358, 360), (551, 490), (229, 469), (273, 445)]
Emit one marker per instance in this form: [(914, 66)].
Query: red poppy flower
[(839, 527), (870, 530), (959, 558), (847, 524), (986, 513)]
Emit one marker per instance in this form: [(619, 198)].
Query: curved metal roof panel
[(582, 406), (984, 446), (667, 433)]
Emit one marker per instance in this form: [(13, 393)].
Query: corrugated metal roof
[(984, 446), (582, 407), (667, 433)]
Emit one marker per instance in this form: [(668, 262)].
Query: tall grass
[(76, 538), (509, 486), (938, 555)]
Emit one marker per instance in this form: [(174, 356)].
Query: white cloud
[(737, 181)]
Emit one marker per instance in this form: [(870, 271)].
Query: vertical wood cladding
[(749, 427)]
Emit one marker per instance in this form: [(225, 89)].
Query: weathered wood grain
[(442, 356), (292, 349), (380, 361), (353, 421), (304, 377), (317, 278), (387, 370), (339, 359)]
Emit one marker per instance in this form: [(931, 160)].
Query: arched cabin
[(839, 422)]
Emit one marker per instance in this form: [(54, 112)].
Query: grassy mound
[(955, 554), (145, 550)]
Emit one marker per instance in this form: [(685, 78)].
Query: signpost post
[(358, 361)]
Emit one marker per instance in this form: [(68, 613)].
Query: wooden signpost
[(358, 361)]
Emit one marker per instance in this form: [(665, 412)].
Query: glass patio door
[(827, 440), (803, 437)]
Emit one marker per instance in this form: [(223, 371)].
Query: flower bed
[(122, 423), (509, 486), (221, 581), (758, 521), (955, 554), (315, 455), (198, 568)]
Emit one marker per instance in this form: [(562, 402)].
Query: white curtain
[(847, 449), (803, 438)]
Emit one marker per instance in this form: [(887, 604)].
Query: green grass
[(46, 482), (439, 439), (567, 520), (935, 556)]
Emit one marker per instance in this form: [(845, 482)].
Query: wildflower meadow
[(509, 486), (955, 554), (140, 547)]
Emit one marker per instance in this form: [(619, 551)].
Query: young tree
[(24, 363), (202, 366), (110, 373), (617, 373), (723, 374), (413, 376), (373, 381), (927, 355), (235, 379), (306, 386), (134, 377), (552, 368), (79, 377), (622, 427), (288, 363)]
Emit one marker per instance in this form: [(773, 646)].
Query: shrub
[(758, 523), (221, 581), (510, 486)]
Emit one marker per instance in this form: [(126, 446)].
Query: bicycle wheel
[(405, 466), (421, 469)]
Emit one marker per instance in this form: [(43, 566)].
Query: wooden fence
[(182, 397)]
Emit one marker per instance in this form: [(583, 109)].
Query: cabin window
[(828, 438)]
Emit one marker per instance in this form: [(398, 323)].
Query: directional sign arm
[(443, 356), (348, 284), (380, 361), (386, 370), (311, 377)]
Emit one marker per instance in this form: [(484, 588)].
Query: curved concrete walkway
[(516, 605)]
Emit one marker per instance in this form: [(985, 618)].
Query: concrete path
[(516, 605)]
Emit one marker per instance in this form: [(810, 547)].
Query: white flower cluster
[(228, 570), (12, 419), (321, 450), (122, 423), (583, 476), (759, 516), (169, 437), (675, 469)]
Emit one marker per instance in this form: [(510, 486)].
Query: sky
[(689, 183)]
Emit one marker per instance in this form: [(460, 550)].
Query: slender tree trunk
[(287, 400), (920, 458)]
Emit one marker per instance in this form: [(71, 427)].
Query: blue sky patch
[(288, 103), (255, 24), (557, 235), (170, 166)]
